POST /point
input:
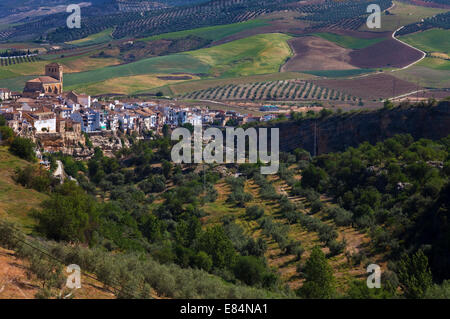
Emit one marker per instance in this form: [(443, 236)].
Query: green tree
[(23, 148), (216, 244), (319, 283), (69, 215), (414, 274), (359, 290)]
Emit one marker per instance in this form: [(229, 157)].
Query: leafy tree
[(250, 270), (414, 274), (6, 134), (312, 176), (23, 148), (216, 244), (68, 215), (254, 212), (319, 283)]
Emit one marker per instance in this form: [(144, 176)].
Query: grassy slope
[(176, 63), (214, 33), (348, 41), (260, 54), (126, 85), (403, 14), (97, 38), (430, 41), (432, 71), (15, 200)]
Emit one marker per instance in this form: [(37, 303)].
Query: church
[(50, 83)]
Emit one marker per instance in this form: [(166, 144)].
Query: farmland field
[(314, 53), (435, 63), (211, 33), (348, 42), (370, 87), (386, 54), (129, 84), (425, 76), (286, 90), (97, 38), (260, 54), (430, 40), (177, 63), (204, 84)]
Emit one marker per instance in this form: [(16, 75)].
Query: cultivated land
[(430, 41), (286, 264), (176, 63), (371, 87), (347, 41), (131, 84), (314, 53), (213, 33), (260, 54), (203, 84), (101, 37)]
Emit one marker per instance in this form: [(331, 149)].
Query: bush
[(336, 247), (23, 148), (254, 212), (341, 216), (6, 134), (316, 206)]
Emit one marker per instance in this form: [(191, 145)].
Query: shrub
[(23, 148), (336, 247), (316, 206), (254, 212)]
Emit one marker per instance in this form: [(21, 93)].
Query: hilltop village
[(60, 121)]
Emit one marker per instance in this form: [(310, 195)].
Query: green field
[(436, 64), (425, 76), (434, 40), (176, 63), (348, 41), (214, 33), (96, 38), (259, 54)]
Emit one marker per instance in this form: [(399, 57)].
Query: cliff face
[(339, 132)]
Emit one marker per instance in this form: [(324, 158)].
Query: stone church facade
[(50, 83)]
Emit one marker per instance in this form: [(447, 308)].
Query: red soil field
[(358, 34), (314, 53), (389, 53), (370, 87)]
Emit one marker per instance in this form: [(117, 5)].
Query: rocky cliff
[(336, 133)]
